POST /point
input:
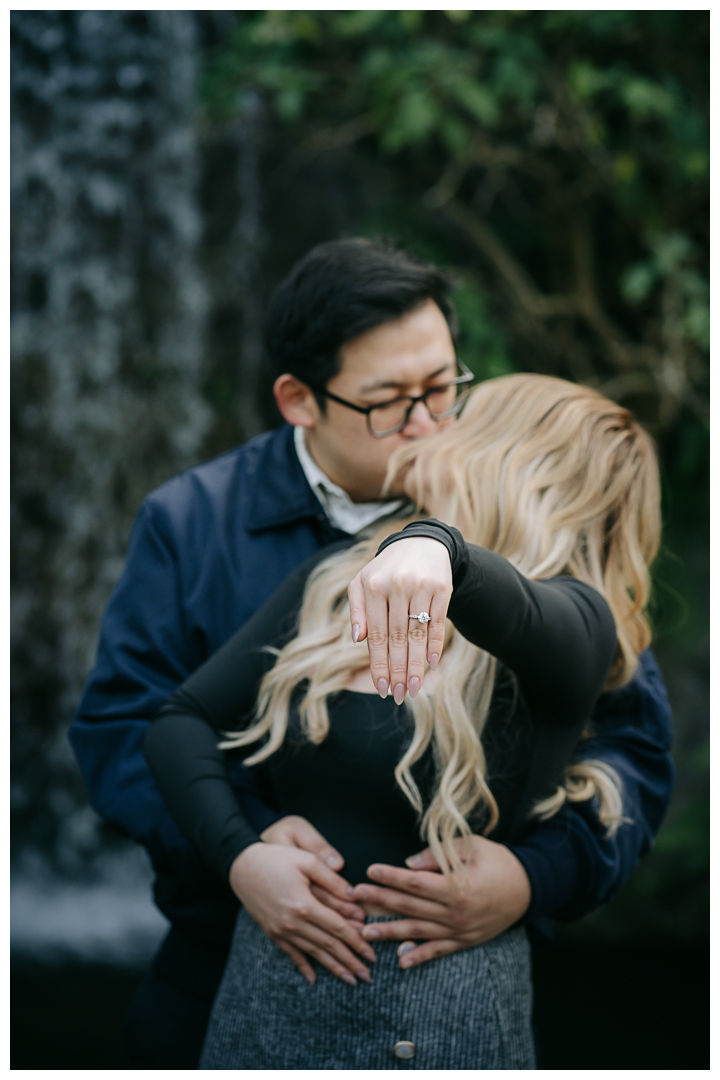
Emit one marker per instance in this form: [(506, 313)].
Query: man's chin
[(397, 491)]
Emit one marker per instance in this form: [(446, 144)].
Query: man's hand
[(493, 896), (409, 577), (274, 883)]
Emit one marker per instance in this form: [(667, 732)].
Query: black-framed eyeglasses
[(389, 417)]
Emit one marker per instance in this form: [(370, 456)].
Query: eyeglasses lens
[(387, 419)]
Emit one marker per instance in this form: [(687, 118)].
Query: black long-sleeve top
[(555, 641)]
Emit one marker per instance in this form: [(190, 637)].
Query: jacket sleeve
[(145, 652), (572, 865)]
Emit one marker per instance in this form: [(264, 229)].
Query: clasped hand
[(288, 886), (448, 915), (308, 910)]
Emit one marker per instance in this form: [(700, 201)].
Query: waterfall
[(248, 244), (108, 326)]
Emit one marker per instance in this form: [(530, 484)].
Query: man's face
[(405, 356)]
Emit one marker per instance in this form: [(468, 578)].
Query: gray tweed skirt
[(470, 1010)]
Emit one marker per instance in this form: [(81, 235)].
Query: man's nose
[(420, 423)]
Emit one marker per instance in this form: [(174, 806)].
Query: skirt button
[(404, 1050)]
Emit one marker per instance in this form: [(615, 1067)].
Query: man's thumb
[(424, 860)]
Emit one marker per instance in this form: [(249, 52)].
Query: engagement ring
[(422, 617)]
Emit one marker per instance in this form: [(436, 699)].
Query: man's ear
[(296, 402)]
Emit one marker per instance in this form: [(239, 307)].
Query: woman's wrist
[(234, 860), (432, 529)]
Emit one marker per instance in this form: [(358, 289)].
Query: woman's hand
[(295, 831), (495, 894), (409, 577), (274, 883)]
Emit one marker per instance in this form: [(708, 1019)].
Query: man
[(355, 327)]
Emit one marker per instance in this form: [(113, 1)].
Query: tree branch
[(521, 286)]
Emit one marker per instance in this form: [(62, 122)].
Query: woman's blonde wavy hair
[(559, 480)]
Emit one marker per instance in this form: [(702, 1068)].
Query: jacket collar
[(278, 491)]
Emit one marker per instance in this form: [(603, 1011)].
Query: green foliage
[(484, 345), (571, 149)]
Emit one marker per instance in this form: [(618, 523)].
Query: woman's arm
[(278, 885), (181, 743), (557, 636)]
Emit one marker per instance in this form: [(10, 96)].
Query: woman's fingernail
[(370, 934), (365, 976), (310, 979), (406, 962), (368, 955), (434, 660), (382, 686), (349, 979), (414, 686), (356, 632), (399, 693), (405, 947), (334, 862), (413, 861), (350, 892)]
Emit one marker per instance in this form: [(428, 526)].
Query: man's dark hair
[(338, 291)]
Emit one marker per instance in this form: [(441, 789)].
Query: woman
[(555, 493)]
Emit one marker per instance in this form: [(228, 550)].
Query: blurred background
[(168, 168)]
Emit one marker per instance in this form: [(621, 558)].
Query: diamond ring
[(423, 617)]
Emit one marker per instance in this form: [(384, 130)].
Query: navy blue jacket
[(207, 549)]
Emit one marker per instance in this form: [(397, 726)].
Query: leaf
[(645, 98), (411, 20), (671, 249), (357, 23), (414, 118), (477, 99), (289, 104), (274, 29), (637, 281), (515, 80), (455, 135), (625, 167), (697, 323), (586, 81), (306, 27), (696, 164), (376, 62)]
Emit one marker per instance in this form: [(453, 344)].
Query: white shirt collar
[(342, 512)]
